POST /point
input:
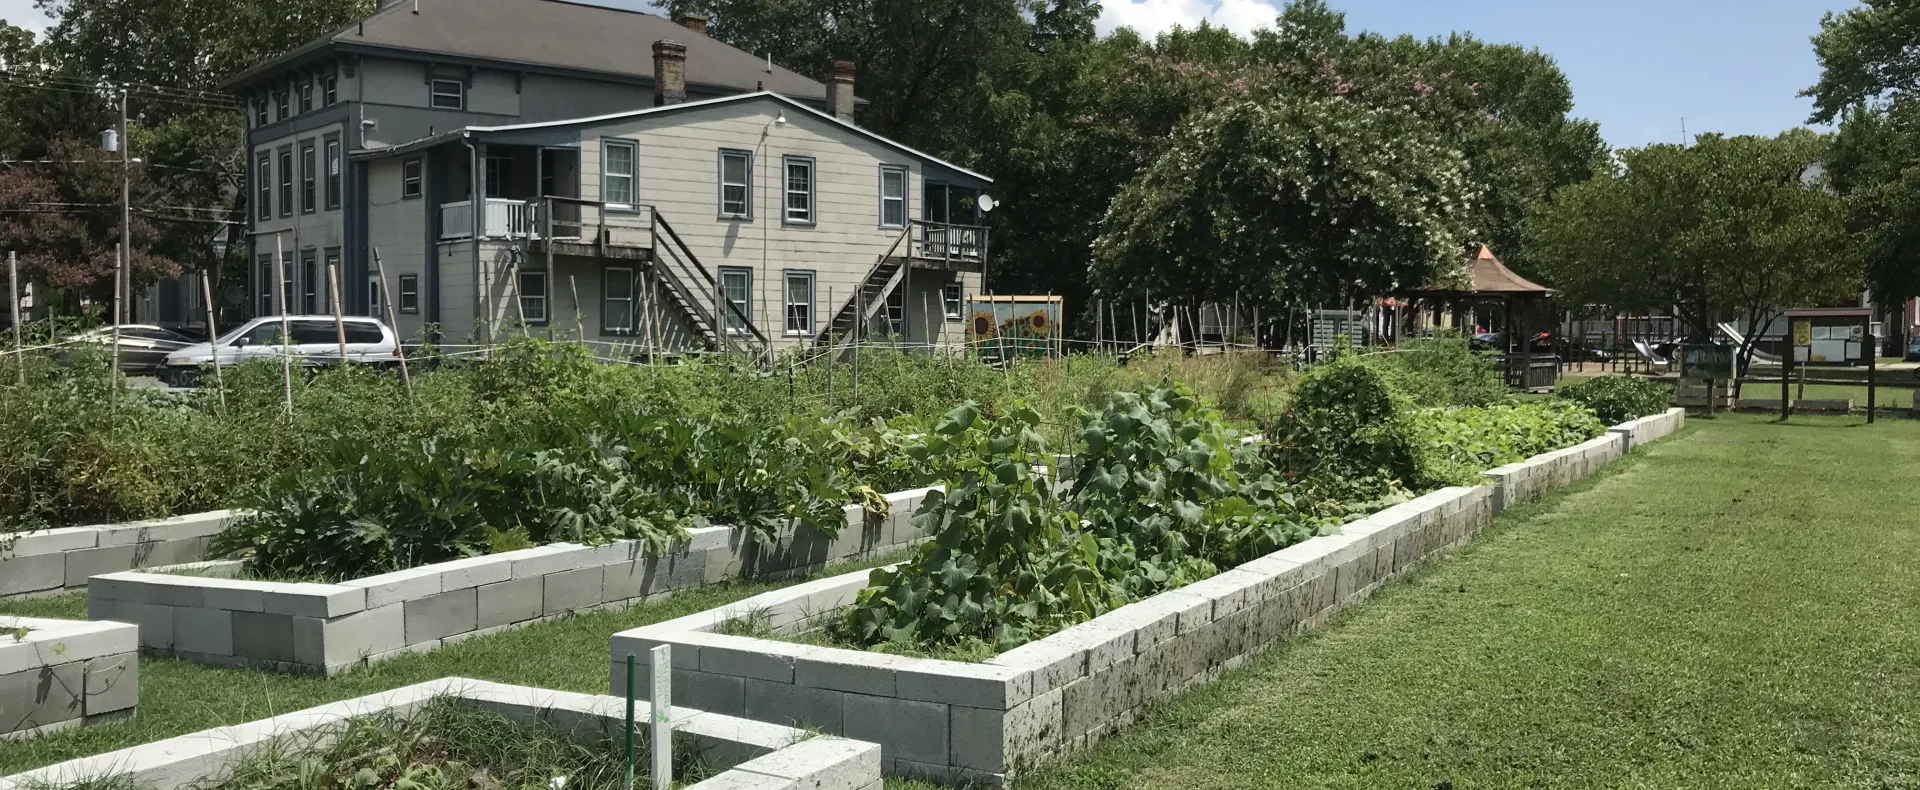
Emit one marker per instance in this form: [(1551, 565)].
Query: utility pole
[(126, 216)]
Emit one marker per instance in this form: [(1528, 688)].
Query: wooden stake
[(339, 320), (393, 321), (13, 292), (286, 327), (213, 338), (579, 330), (119, 283)]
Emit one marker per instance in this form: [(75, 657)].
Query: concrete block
[(515, 601), (324, 601), (365, 634), (209, 631), (873, 673), (473, 572), (1050, 664), (571, 590), (826, 763), (551, 558), (905, 729), (654, 575), (41, 697), (51, 541), (440, 616), (263, 637), (112, 683), (751, 658), (702, 691), (87, 563), (398, 586), (794, 706), (973, 685), (233, 596)]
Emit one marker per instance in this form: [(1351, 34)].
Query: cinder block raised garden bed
[(328, 628), (56, 674), (989, 722), (53, 560), (746, 755)]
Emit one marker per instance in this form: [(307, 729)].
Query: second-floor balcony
[(500, 219)]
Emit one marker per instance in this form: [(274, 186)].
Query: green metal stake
[(629, 721)]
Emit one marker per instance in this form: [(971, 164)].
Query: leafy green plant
[(1618, 399), (1458, 444), (1442, 371), (1347, 434)]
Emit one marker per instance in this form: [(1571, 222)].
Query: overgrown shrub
[(1617, 399), (1458, 444), (1164, 496), (1442, 371), (1347, 434)]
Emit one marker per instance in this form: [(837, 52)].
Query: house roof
[(1487, 276), (553, 34), (783, 100)]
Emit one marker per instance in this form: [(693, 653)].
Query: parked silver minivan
[(312, 340)]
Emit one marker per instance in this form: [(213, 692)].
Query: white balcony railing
[(503, 219)]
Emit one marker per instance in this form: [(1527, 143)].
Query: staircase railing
[(851, 306), (697, 288)]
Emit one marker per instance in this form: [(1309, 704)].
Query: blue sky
[(1637, 66)]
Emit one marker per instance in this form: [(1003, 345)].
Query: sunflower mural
[(1007, 327)]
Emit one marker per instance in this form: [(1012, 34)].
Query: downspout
[(476, 207)]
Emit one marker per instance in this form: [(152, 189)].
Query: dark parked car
[(143, 347)]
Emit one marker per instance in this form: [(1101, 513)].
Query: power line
[(108, 162), (109, 85), (15, 82)]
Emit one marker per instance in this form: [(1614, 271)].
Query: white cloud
[(21, 13), (1153, 17)]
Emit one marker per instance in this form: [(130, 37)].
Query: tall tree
[(1730, 227)]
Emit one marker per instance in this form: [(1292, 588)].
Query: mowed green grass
[(178, 697), (1736, 607)]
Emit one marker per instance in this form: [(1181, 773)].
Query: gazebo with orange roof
[(1489, 280)]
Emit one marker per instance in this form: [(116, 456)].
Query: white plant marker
[(660, 664)]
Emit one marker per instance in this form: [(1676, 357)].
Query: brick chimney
[(840, 90), (669, 72), (694, 21)]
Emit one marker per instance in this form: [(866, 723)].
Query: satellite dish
[(987, 203)]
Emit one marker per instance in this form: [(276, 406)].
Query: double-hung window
[(533, 296), (306, 95), (617, 172), (309, 179), (799, 303), (893, 196), (309, 283), (736, 286), (799, 189), (616, 301), (409, 296), (333, 166), (736, 184), (263, 185), (448, 95), (263, 286), (260, 112), (286, 181), (332, 92), (897, 311), (952, 297), (410, 179), (281, 104)]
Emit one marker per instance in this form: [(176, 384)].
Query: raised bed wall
[(748, 755), (328, 628), (65, 673), (55, 560), (987, 723)]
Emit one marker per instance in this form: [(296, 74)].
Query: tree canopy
[(1731, 226)]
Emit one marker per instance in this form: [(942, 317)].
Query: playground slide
[(1738, 340), (1646, 352)]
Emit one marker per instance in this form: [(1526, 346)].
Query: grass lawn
[(179, 697), (1737, 607)]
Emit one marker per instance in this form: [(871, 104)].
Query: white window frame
[(788, 214), (435, 95), (608, 275), (905, 181), (408, 298), (790, 300), (306, 96), (264, 175), (283, 102), (333, 165), (534, 307), (745, 185), (412, 185), (286, 180), (745, 302), (331, 93), (309, 180), (312, 302), (631, 177), (953, 301), (896, 308)]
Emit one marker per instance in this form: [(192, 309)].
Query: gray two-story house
[(608, 176), (418, 67)]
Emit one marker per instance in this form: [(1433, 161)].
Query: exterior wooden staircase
[(855, 316), (694, 292)]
